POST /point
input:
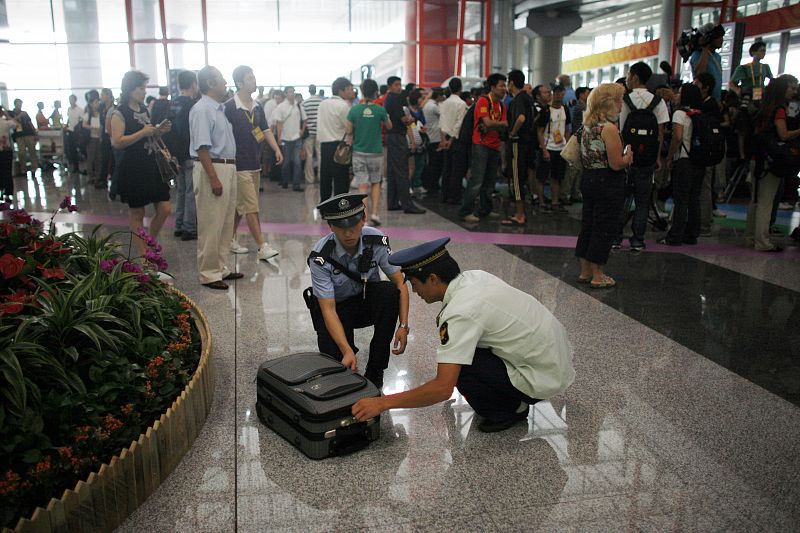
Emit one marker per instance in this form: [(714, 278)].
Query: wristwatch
[(404, 326)]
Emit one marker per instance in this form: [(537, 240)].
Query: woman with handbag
[(775, 159), (602, 183), (140, 182)]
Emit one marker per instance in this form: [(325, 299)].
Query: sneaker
[(786, 206), (237, 248), (637, 247), (547, 209), (470, 218), (375, 220), (266, 252), (616, 245), (420, 190), (559, 208), (719, 213), (493, 216)]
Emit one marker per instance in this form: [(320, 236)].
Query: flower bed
[(93, 350)]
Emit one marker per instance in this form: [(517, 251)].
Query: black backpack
[(708, 140), (641, 132), (465, 133)]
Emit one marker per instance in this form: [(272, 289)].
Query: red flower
[(14, 304), (10, 266), (20, 217), (52, 273)]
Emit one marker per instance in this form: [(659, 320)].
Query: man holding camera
[(706, 58)]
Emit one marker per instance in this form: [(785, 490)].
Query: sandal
[(607, 282), (511, 221)]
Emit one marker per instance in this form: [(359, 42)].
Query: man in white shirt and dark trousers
[(433, 170), (290, 117), (331, 129), (74, 117), (500, 347), (646, 145), (451, 115), (553, 132)]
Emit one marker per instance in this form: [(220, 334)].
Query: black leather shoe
[(395, 207), (218, 285), (492, 426), (189, 237), (234, 275), (178, 233), (413, 210)]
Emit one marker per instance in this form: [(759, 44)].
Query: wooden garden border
[(108, 496)]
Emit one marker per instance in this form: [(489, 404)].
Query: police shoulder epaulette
[(375, 240), (324, 254)]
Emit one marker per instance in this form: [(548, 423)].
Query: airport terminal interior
[(684, 414)]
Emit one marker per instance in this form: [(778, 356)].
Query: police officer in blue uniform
[(347, 291), (499, 346)]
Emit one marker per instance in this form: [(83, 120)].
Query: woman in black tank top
[(139, 180)]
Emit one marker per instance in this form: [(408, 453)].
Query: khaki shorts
[(367, 168), (247, 183)]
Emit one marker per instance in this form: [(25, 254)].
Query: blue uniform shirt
[(328, 282), (713, 67), (208, 126)]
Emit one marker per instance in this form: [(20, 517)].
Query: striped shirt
[(311, 107)]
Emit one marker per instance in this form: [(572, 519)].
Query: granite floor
[(683, 417)]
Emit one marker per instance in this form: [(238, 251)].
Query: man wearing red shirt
[(489, 121)]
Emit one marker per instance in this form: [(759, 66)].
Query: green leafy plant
[(93, 348)]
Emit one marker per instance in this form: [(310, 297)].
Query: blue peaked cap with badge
[(421, 255), (343, 210)]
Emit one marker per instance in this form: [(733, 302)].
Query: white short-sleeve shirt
[(680, 117), (482, 311)]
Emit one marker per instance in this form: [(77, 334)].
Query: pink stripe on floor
[(461, 236)]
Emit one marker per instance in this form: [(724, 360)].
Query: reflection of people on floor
[(500, 347)]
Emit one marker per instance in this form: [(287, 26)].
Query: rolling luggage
[(306, 399)]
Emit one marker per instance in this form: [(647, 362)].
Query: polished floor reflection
[(683, 415)]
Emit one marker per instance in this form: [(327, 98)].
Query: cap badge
[(344, 204)]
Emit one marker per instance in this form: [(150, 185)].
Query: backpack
[(641, 132), (465, 133), (782, 158), (708, 140)]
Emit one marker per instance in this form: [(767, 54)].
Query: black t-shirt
[(394, 107), (711, 107), (177, 140), (521, 104)]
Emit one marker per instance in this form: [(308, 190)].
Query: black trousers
[(603, 193), (397, 153), (433, 170), (487, 388), (380, 308), (106, 161), (456, 165), (333, 178), (687, 182)]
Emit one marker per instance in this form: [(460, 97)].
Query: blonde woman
[(602, 184)]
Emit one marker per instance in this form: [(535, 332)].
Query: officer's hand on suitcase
[(367, 408), (400, 341), (349, 360)]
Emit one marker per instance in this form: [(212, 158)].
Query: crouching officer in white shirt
[(347, 291), (499, 346)]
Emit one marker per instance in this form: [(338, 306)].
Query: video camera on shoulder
[(695, 39)]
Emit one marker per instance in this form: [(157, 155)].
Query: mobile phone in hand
[(162, 123)]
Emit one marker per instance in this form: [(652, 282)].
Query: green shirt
[(746, 74), (367, 119)]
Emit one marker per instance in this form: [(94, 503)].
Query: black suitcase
[(306, 399)]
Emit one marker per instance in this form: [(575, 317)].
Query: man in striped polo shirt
[(310, 147)]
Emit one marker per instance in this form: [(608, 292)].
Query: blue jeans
[(185, 205), (481, 181), (292, 166)]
